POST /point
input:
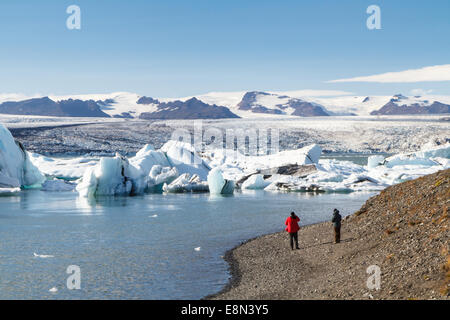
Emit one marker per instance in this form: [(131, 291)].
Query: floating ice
[(43, 256), (8, 191), (420, 158), (148, 171), (158, 176), (183, 156), (58, 185), (16, 169), (53, 290), (186, 183), (255, 182), (71, 169), (217, 184), (108, 177), (375, 161), (197, 249)]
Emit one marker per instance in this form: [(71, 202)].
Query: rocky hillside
[(409, 224)]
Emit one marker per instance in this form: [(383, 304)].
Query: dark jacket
[(336, 219)]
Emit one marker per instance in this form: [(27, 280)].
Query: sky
[(175, 48)]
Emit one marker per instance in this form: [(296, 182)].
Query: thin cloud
[(426, 74)]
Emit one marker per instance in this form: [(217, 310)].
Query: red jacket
[(292, 224)]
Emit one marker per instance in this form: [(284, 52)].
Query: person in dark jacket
[(337, 225), (292, 227)]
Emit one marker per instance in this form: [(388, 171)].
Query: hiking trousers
[(337, 234), (293, 236)]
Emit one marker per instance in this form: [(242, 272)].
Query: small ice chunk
[(53, 290), (154, 216), (43, 256), (197, 249)]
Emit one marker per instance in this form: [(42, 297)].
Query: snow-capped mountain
[(271, 103), (217, 105), (400, 104), (189, 109), (47, 107)]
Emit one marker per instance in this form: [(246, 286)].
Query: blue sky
[(178, 48)]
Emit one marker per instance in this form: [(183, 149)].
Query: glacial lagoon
[(152, 246)]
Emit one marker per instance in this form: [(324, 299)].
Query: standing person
[(292, 227), (337, 225)]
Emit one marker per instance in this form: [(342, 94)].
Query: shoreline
[(233, 264), (403, 231)]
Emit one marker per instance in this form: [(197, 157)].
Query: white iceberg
[(158, 176), (16, 169), (184, 157), (149, 171), (375, 161), (63, 168), (255, 182), (108, 177), (217, 184), (186, 183), (420, 158)]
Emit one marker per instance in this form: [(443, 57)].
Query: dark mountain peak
[(47, 107), (393, 107), (192, 108), (147, 100), (249, 100)]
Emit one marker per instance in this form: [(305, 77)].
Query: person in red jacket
[(292, 227)]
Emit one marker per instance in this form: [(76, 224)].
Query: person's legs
[(296, 239), (337, 234), (291, 240)]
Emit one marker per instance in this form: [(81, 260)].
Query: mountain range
[(219, 105)]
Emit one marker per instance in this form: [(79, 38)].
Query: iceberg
[(147, 157), (16, 169), (375, 161), (149, 171), (184, 157), (420, 158), (255, 182), (217, 184), (108, 177), (158, 176), (68, 169), (186, 183)]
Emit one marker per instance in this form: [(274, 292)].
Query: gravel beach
[(404, 231)]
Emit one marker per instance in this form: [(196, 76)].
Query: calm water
[(139, 247)]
